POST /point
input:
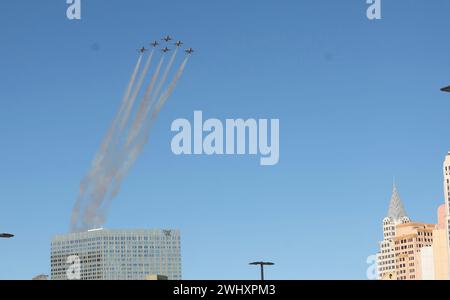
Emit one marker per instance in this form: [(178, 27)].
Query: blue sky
[(358, 103)]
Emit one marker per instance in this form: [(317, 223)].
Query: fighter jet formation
[(128, 132), (166, 49)]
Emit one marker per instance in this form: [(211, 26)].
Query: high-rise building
[(40, 277), (427, 263), (446, 171), (414, 250), (409, 240), (102, 254), (386, 256), (440, 246)]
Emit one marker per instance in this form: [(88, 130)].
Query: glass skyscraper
[(104, 254)]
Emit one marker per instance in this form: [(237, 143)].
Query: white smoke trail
[(143, 137), (146, 132), (165, 74), (124, 104), (119, 151), (140, 119), (130, 103), (143, 106), (151, 100), (163, 98), (116, 154), (100, 155)]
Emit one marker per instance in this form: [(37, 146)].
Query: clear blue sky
[(358, 103)]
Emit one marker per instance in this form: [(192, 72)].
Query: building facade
[(40, 277), (386, 255), (102, 254), (427, 263), (414, 250), (409, 241), (440, 246), (446, 171)]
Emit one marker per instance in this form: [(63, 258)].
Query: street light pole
[(262, 272), (446, 89), (262, 264), (6, 235)]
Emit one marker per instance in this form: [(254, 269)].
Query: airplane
[(6, 235), (154, 44), (167, 38), (142, 50), (178, 43), (165, 50), (189, 51)]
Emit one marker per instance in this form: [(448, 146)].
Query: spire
[(396, 209)]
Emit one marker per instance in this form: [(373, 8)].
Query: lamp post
[(6, 235), (446, 89), (262, 264)]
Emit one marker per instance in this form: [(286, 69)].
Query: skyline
[(358, 103)]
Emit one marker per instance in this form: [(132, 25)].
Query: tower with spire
[(396, 215), (396, 209)]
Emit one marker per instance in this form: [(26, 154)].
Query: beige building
[(446, 173), (440, 246), (386, 256), (415, 250), (427, 263), (409, 240)]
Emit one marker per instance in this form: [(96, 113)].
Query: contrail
[(140, 116), (146, 132), (137, 149), (163, 98), (130, 103), (115, 155), (112, 130), (104, 181), (123, 105), (152, 99), (143, 135), (165, 74), (100, 156), (98, 195), (122, 143), (130, 85)]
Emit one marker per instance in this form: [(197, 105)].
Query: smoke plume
[(123, 142)]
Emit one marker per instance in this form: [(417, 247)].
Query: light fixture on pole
[(262, 264), (6, 235)]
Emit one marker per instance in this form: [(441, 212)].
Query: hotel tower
[(386, 256), (446, 170)]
